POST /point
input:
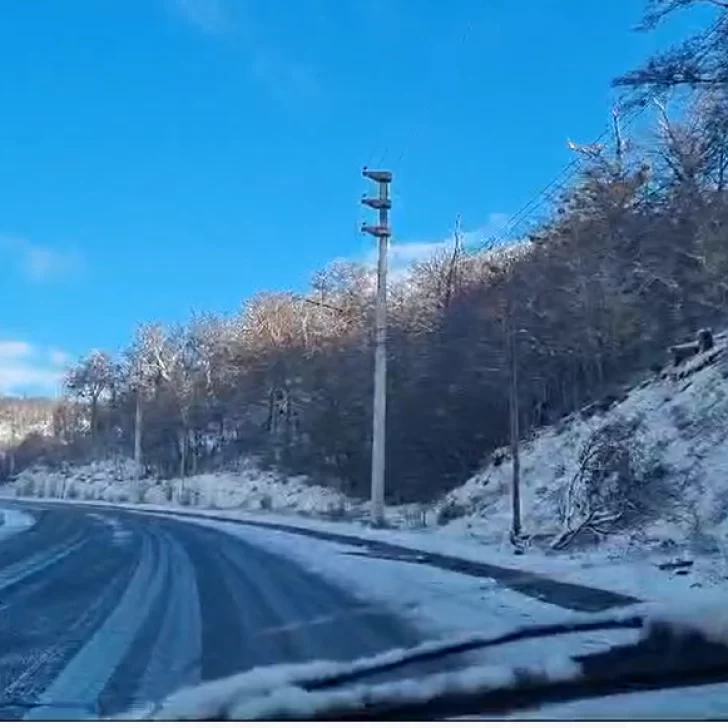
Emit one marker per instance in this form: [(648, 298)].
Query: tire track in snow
[(147, 605), (322, 612), (42, 666), (85, 676), (166, 653), (33, 566), (222, 638), (47, 535), (119, 690), (51, 614), (176, 659), (281, 612), (255, 625)]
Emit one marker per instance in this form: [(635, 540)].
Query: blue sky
[(159, 156)]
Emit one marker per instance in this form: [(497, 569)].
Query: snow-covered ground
[(113, 481), (13, 521), (677, 493), (679, 462), (677, 424), (439, 602), (634, 575)]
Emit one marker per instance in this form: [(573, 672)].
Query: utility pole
[(138, 419), (514, 416), (382, 233)]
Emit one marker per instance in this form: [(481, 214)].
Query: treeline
[(633, 257)]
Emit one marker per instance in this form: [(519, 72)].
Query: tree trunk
[(182, 455), (271, 410), (138, 424), (13, 445), (94, 417)]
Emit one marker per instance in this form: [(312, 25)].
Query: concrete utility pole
[(514, 416), (382, 232)]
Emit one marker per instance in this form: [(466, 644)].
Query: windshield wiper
[(443, 649), (667, 652), (657, 662)]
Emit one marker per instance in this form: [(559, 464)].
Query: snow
[(704, 702), (114, 481), (279, 692), (285, 692), (13, 521), (85, 675), (626, 573), (438, 602), (707, 617), (629, 574), (678, 451), (683, 420), (291, 703)]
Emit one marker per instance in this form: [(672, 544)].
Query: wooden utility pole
[(382, 233)]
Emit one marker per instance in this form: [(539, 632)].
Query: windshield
[(362, 358)]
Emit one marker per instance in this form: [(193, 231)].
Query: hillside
[(19, 416), (649, 471), (641, 472)]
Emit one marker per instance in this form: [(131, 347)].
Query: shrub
[(450, 511), (608, 485), (416, 517), (680, 417), (26, 489), (337, 511)]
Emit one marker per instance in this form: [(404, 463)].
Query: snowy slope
[(113, 481), (680, 460)]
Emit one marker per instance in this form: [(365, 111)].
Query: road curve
[(101, 612)]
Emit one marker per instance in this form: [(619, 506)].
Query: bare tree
[(90, 379), (701, 61)]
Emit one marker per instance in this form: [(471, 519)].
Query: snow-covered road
[(101, 612)]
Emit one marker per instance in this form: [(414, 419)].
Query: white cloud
[(209, 16), (31, 370), (58, 358), (14, 349), (403, 255), (38, 263)]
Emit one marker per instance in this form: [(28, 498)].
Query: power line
[(568, 172), (559, 181)]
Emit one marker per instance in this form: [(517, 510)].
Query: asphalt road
[(101, 612)]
